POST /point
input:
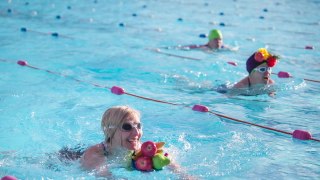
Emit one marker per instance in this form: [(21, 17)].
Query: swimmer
[(215, 41), (122, 130), (259, 66)]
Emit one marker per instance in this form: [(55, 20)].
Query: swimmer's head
[(259, 57), (114, 117), (215, 34)]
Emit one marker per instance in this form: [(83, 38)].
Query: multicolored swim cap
[(214, 34), (264, 53), (267, 58)]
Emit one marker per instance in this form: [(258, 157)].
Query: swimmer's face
[(215, 43), (260, 74), (128, 134)]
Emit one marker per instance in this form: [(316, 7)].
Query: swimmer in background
[(122, 130), (215, 42), (259, 66)]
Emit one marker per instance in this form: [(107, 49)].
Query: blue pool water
[(42, 111)]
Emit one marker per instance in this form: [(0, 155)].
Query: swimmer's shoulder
[(93, 151), (243, 83), (92, 157)]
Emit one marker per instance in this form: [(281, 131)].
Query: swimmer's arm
[(238, 88), (241, 84), (230, 48), (238, 85), (182, 47), (192, 46)]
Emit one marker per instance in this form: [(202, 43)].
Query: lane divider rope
[(280, 74), (54, 34), (297, 134)]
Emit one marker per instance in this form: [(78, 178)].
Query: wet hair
[(115, 116)]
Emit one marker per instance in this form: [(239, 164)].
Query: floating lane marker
[(9, 177), (283, 74), (117, 90), (200, 108), (301, 134)]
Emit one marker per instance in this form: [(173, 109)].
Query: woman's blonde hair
[(114, 117)]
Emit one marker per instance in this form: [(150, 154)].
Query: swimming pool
[(104, 43)]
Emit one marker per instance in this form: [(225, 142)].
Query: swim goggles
[(263, 69), (129, 126)]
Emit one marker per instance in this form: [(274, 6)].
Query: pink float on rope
[(282, 74), (22, 63), (8, 178), (117, 90), (232, 63), (200, 108), (300, 134)]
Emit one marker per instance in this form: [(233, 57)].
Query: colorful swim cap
[(264, 52), (215, 33), (269, 59)]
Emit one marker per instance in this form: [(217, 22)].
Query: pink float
[(22, 63), (117, 90), (200, 108), (282, 74), (8, 178), (301, 134)]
